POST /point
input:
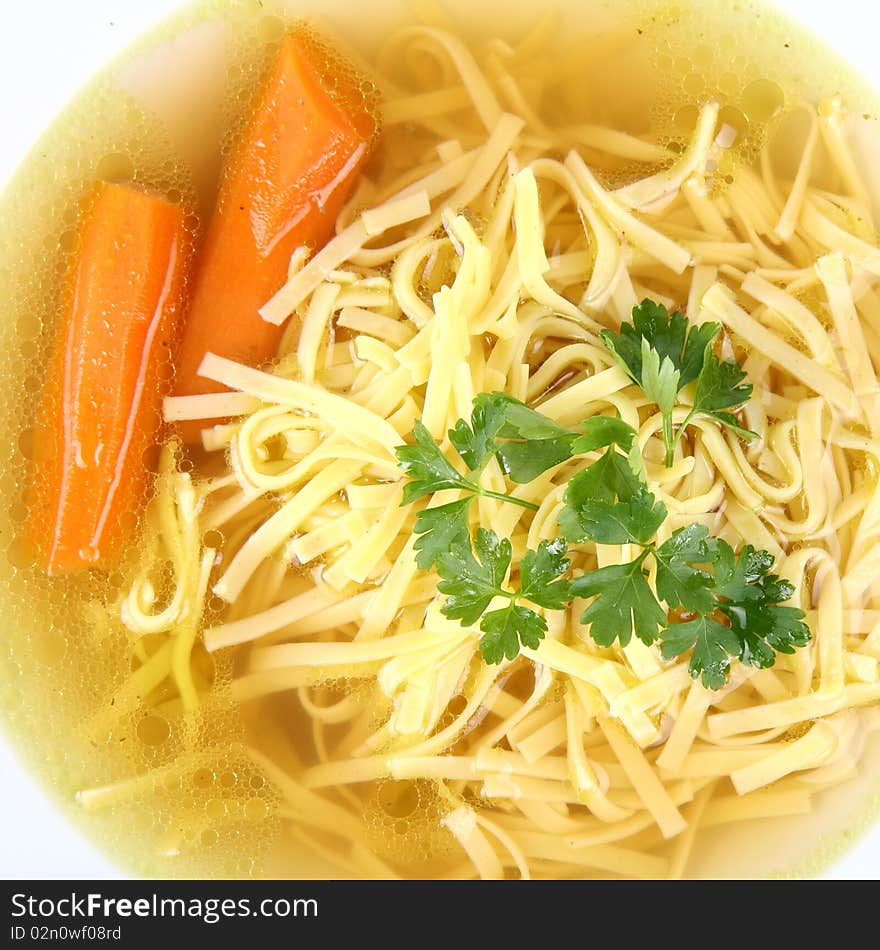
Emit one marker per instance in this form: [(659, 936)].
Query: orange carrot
[(294, 167), (102, 403)]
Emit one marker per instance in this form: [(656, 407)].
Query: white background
[(48, 48)]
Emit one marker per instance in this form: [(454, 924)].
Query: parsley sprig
[(525, 443), (430, 471), (726, 604), (474, 577), (663, 354), (718, 604)]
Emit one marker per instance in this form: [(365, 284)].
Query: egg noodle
[(488, 257)]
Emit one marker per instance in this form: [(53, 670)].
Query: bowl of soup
[(446, 447)]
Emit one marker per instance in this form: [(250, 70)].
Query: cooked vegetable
[(101, 407), (662, 353), (294, 166)]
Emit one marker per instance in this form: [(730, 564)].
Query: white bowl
[(48, 50)]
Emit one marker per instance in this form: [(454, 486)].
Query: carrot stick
[(294, 167), (102, 402)]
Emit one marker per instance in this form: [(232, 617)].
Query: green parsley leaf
[(659, 378), (740, 578), (505, 629), (609, 504), (523, 422), (472, 582), (735, 601), (430, 471), (524, 461), (729, 420), (599, 432), (544, 444), (608, 478), (529, 443), (663, 353), (474, 577), (668, 335), (679, 581), (720, 386), (475, 443), (772, 630), (428, 468), (712, 643), (624, 603), (748, 595), (622, 522), (603, 431), (441, 529), (540, 575)]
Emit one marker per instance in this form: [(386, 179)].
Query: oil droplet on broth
[(212, 538), (69, 240), (18, 511), (153, 730), (271, 28), (762, 100), (209, 838), (685, 118), (256, 810), (27, 443), (398, 799), (29, 325), (202, 778), (729, 83), (20, 553), (228, 779), (703, 54), (115, 167)]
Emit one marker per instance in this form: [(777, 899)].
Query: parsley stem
[(670, 451), (502, 497), (668, 439)]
